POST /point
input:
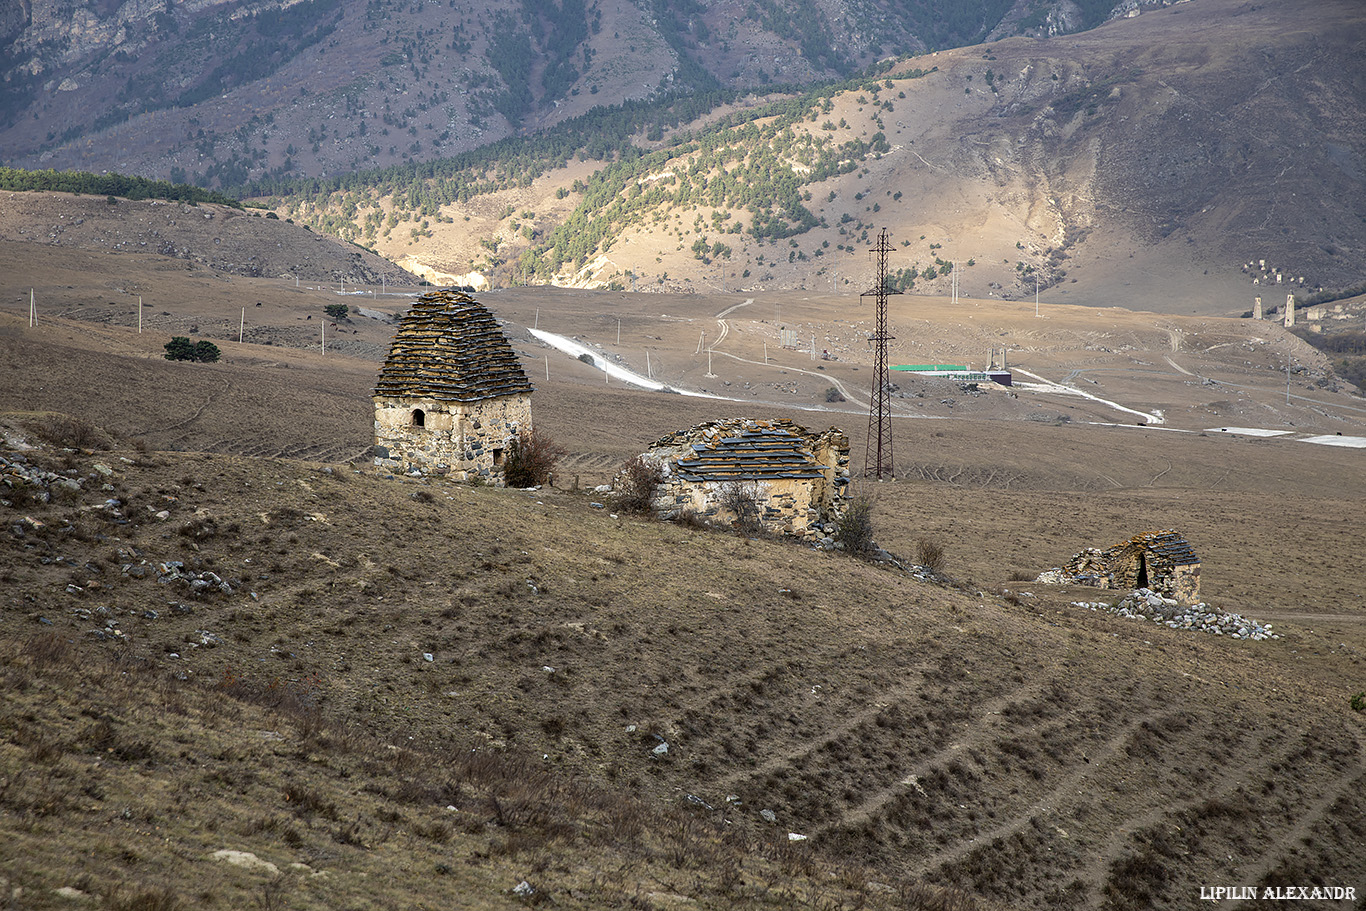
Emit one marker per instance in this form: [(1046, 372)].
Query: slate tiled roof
[(743, 450), (449, 347), (1166, 544)]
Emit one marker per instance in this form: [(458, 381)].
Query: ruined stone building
[(452, 395), (796, 478), (1162, 561)]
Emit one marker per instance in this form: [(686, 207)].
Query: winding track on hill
[(1062, 389), (725, 326), (806, 747)]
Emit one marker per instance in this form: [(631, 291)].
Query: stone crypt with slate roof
[(1161, 561), (452, 395), (799, 478)]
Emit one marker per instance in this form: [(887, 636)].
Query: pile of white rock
[(1145, 604)]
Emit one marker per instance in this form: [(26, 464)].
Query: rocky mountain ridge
[(222, 91)]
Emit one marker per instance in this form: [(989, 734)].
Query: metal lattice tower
[(878, 462)]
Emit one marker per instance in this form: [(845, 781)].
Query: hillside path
[(725, 326)]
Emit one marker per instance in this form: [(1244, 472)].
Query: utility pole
[(878, 459)]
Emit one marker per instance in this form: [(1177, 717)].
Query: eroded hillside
[(460, 677)]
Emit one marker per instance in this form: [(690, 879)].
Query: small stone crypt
[(452, 395), (1161, 561), (798, 479)]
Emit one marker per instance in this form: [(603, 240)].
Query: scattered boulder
[(246, 860)]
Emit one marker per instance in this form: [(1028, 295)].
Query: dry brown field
[(978, 741)]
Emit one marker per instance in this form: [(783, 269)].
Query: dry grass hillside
[(412, 692), (188, 239)]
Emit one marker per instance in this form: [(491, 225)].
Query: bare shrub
[(741, 499), (531, 458), (1140, 880), (855, 527), (297, 700), (918, 896), (70, 432), (930, 554), (305, 802), (634, 486), (273, 894)]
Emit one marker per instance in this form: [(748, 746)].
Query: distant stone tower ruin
[(1289, 310), (452, 395), (1257, 307)]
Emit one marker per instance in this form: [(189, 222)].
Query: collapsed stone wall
[(785, 507), (1161, 561)]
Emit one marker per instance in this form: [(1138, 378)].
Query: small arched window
[(419, 418)]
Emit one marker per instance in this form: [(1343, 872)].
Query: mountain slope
[(1143, 162), (219, 91)]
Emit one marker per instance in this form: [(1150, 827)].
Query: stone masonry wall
[(784, 505), (462, 439)]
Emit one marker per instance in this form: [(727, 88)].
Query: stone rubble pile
[(1145, 604), (174, 571), (18, 474)]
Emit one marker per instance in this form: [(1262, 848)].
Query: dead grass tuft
[(47, 649), (144, 899)]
